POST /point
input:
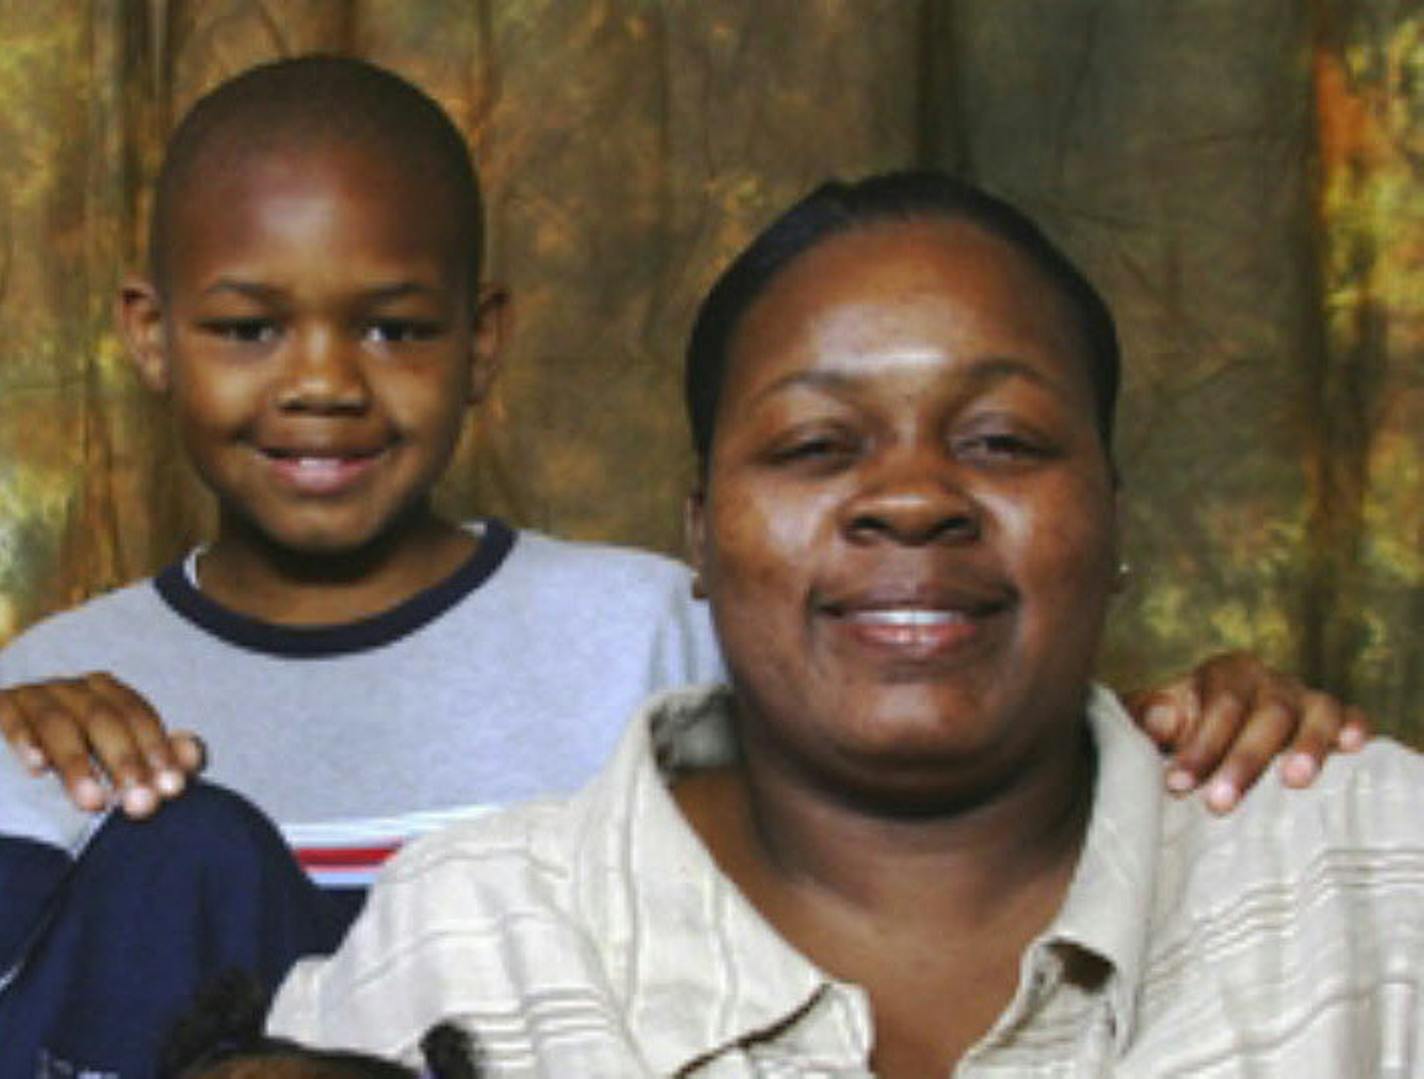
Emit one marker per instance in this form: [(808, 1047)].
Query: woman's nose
[(323, 374), (917, 501)]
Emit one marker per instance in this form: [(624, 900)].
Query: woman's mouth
[(918, 622), (914, 632)]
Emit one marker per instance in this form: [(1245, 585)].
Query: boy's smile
[(319, 343)]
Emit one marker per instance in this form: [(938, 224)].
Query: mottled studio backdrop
[(1245, 179)]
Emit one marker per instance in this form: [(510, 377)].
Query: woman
[(912, 835)]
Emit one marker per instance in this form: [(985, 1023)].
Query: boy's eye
[(394, 331), (247, 331)]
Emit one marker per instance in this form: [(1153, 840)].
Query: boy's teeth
[(914, 616), (317, 464)]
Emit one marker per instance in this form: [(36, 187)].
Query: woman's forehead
[(908, 292)]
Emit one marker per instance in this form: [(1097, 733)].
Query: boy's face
[(319, 338)]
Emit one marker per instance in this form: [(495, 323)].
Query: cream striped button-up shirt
[(595, 936)]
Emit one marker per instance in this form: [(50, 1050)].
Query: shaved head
[(308, 104)]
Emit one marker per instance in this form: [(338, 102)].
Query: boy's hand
[(1225, 721), (95, 728)]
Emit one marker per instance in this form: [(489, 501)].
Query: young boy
[(316, 320), (358, 666)]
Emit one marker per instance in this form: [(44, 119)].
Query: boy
[(360, 667), (315, 318)]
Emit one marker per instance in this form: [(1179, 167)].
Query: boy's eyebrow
[(397, 289), (257, 291), (251, 289)]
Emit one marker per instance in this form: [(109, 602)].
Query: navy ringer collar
[(315, 642)]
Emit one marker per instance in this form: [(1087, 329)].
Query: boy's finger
[(1356, 731), (18, 735), (104, 731), (160, 764), (1199, 755), (1265, 727), (1159, 712), (1325, 726), (190, 750), (64, 746)]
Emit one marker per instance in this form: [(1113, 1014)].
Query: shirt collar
[(698, 967), (1108, 908)]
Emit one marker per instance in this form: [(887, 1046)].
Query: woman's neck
[(929, 913), (249, 574), (959, 863)]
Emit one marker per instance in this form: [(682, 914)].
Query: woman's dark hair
[(226, 1025), (837, 207)]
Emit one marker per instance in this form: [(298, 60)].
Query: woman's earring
[(1124, 575)]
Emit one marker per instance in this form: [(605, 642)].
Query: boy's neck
[(252, 576)]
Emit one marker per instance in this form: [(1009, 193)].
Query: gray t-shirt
[(511, 679)]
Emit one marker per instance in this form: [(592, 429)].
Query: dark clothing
[(103, 951)]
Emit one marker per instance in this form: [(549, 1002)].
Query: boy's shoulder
[(585, 580), (538, 552), (90, 629)]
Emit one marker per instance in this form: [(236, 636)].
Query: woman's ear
[(140, 319), (694, 522), (494, 314), (1122, 568)]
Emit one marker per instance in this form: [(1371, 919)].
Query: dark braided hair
[(837, 207), (224, 1029)]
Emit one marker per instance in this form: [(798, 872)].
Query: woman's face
[(907, 533)]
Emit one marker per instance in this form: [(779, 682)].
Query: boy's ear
[(140, 318), (694, 523), (494, 316)]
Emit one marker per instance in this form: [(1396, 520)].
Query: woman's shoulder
[(524, 841), (1356, 833)]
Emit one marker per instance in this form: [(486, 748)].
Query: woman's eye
[(815, 449), (999, 447), (395, 331), (246, 331)]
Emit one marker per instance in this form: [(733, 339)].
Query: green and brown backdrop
[(1244, 178)]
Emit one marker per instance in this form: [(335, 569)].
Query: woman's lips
[(913, 632), (918, 621)]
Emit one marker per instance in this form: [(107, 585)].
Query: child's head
[(291, 109), (222, 1038), (314, 311)]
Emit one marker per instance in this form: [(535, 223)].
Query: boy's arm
[(1225, 720), (92, 728)]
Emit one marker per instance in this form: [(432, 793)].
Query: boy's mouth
[(320, 473)]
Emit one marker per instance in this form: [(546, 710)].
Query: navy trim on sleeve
[(316, 642)]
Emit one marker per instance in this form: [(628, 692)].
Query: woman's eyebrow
[(980, 374), (993, 370)]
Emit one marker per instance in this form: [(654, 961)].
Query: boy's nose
[(324, 374)]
